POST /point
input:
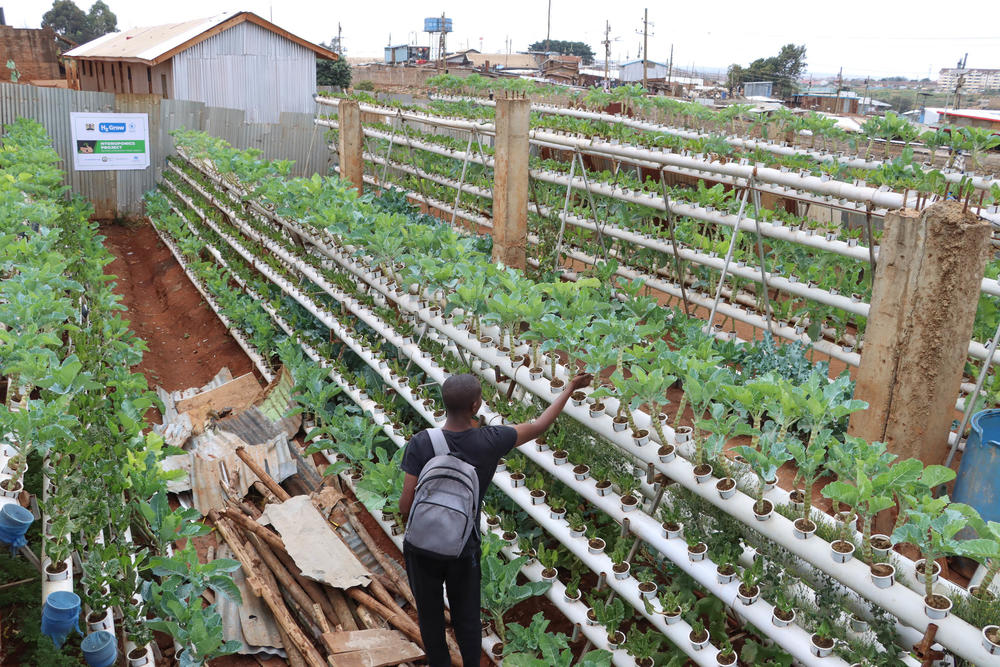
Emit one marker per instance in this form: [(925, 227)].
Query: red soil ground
[(187, 343)]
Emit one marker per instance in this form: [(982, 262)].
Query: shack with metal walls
[(232, 60)]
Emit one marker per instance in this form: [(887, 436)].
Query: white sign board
[(109, 141)]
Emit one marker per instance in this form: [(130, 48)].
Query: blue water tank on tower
[(434, 24)]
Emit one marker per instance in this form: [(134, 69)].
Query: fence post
[(352, 165), (510, 185), (927, 282)]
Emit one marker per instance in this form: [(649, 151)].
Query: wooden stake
[(254, 569), (262, 475)]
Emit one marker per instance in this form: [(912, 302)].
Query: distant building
[(985, 118), (502, 60), (233, 60), (631, 72), (562, 69), (33, 51), (827, 99), (872, 107), (758, 88), (406, 53), (975, 81)]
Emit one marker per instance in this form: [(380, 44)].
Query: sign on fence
[(110, 141)]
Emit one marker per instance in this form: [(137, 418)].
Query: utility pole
[(958, 90), (670, 66), (548, 29), (645, 44), (339, 46), (840, 85), (441, 42), (607, 50), (868, 81)]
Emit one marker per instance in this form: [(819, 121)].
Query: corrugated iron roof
[(155, 44)]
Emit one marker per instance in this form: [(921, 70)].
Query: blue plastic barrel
[(978, 481), (100, 649), (60, 615), (14, 523)]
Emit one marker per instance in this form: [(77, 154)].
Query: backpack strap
[(438, 442)]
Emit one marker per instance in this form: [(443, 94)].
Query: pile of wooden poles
[(308, 613)]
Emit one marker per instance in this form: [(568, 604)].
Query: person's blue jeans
[(461, 576)]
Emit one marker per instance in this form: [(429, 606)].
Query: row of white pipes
[(695, 211), (542, 459), (903, 602), (878, 197), (436, 373), (827, 553), (849, 304), (575, 613), (857, 162)]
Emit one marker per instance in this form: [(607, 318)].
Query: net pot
[(99, 649), (14, 523), (60, 615)]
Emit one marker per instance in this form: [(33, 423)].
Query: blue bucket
[(100, 649), (60, 615), (14, 523), (978, 481)]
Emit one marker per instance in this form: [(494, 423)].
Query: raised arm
[(530, 430)]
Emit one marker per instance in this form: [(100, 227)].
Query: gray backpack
[(445, 507)]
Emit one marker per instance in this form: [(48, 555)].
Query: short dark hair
[(459, 392)]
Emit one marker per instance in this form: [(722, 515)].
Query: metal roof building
[(233, 60)]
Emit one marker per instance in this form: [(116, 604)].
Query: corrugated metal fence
[(119, 193)]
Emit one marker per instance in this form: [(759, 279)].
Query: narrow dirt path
[(187, 343)]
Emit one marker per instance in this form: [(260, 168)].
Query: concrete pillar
[(510, 184), (927, 282), (352, 164)]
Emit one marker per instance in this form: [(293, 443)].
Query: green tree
[(783, 69), (333, 72), (566, 48), (72, 23), (101, 19)]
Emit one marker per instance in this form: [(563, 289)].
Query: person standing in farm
[(477, 451)]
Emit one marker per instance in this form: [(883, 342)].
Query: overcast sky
[(871, 38)]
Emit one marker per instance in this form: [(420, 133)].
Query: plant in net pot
[(610, 614), (643, 646), (931, 526), (765, 462), (867, 483), (501, 592)]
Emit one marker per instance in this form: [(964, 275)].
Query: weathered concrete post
[(352, 164), (927, 282), (510, 184)]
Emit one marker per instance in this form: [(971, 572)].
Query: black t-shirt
[(480, 447)]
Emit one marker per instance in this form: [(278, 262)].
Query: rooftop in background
[(505, 60), (155, 44)]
